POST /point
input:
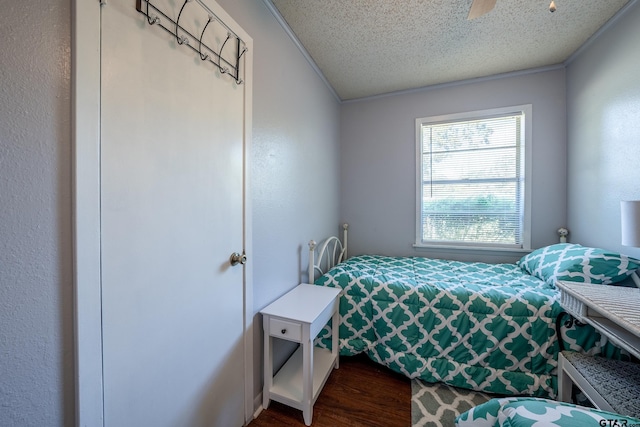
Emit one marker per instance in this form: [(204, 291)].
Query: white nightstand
[(299, 316)]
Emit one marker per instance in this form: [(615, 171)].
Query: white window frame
[(527, 111)]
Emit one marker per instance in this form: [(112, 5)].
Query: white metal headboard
[(331, 252)]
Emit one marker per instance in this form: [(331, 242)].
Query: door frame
[(85, 113)]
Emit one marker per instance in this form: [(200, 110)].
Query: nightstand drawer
[(286, 330)]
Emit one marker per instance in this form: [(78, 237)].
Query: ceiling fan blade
[(480, 7)]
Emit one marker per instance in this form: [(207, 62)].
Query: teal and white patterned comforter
[(486, 327), (528, 411)]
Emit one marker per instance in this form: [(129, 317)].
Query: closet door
[(171, 216)]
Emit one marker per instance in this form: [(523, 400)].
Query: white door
[(171, 216)]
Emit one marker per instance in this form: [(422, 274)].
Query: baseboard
[(257, 403)]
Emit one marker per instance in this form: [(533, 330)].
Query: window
[(472, 188)]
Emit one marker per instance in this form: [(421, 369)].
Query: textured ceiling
[(372, 47)]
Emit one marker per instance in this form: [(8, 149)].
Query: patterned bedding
[(487, 327), (527, 411)]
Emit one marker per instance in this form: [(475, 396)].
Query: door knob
[(237, 258)]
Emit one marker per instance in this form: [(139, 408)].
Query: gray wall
[(378, 160), (603, 101), (36, 291)]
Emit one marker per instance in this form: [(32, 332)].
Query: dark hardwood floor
[(359, 393)]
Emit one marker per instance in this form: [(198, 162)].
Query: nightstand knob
[(284, 331)]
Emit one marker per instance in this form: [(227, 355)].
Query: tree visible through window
[(472, 179)]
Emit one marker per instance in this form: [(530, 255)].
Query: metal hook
[(184, 37), (225, 69), (181, 39), (239, 81), (206, 55), (152, 20)]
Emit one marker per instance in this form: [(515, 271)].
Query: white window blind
[(472, 180)]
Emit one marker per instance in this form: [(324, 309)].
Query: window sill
[(485, 250)]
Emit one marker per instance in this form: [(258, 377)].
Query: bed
[(486, 327), (528, 411)]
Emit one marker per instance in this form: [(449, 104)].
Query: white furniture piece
[(299, 316), (330, 253), (614, 311)]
